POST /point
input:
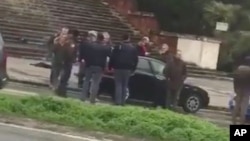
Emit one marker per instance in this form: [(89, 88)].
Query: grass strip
[(162, 125)]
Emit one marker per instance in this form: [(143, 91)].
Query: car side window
[(143, 65), (158, 67)]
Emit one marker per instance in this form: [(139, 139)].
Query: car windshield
[(158, 67), (1, 42)]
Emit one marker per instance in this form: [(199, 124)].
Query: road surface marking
[(48, 132), (16, 92)]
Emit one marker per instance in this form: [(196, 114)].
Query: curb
[(28, 82), (216, 108), (211, 77), (36, 83)]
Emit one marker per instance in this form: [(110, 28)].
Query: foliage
[(176, 15), (220, 12), (135, 121), (198, 16), (235, 45)]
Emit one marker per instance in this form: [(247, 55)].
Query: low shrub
[(133, 121)]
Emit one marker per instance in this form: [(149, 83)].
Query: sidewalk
[(21, 70)]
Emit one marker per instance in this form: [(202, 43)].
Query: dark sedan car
[(148, 81)]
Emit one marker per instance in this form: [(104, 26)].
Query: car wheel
[(192, 103)]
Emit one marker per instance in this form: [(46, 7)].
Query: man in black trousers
[(85, 41), (123, 60)]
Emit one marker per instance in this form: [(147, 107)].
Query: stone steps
[(71, 17), (35, 22), (77, 9), (39, 35), (22, 50), (35, 37), (75, 22), (93, 5)]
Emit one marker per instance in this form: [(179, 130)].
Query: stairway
[(27, 24)]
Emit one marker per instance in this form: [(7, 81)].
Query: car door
[(141, 84), (160, 82)]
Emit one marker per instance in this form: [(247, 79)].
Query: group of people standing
[(95, 53)]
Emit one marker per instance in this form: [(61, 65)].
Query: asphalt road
[(220, 86), (19, 133)]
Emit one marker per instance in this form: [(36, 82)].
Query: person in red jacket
[(141, 47)]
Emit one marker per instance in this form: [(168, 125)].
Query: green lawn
[(132, 121)]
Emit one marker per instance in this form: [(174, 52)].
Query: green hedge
[(160, 125)]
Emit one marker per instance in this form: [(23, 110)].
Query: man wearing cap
[(95, 61), (141, 47)]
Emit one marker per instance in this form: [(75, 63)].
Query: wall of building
[(203, 53), (210, 55)]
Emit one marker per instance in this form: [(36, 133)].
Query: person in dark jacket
[(123, 60), (65, 49), (242, 88), (95, 61), (84, 42), (167, 57), (175, 75)]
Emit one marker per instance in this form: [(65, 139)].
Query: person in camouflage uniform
[(64, 57)]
